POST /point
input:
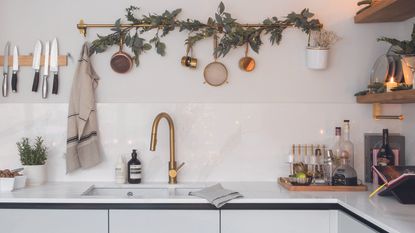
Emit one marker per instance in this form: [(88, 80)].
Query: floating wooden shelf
[(396, 97), (387, 11), (27, 60)]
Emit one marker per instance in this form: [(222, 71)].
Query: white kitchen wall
[(240, 131)]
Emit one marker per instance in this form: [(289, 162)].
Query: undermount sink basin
[(140, 191)]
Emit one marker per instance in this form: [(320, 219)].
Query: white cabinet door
[(164, 221), (347, 224), (53, 221), (275, 221)]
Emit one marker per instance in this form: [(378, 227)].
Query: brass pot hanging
[(189, 61), (247, 63), (121, 62)]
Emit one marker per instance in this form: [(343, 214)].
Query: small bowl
[(300, 181), (19, 182), (6, 184)]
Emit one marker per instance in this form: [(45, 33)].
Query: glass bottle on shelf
[(346, 144)]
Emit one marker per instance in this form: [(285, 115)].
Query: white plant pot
[(36, 174), (317, 58)]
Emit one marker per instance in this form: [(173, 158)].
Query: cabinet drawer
[(274, 221), (53, 221), (164, 221)]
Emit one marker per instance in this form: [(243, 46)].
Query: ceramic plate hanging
[(215, 73)]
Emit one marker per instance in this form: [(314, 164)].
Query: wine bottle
[(347, 145), (134, 169), (385, 156)]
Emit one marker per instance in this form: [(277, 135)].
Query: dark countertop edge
[(193, 206)]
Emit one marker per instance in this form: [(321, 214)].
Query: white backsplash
[(218, 142)]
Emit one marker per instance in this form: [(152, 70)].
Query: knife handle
[(35, 82), (45, 87), (55, 84), (14, 82), (5, 87)]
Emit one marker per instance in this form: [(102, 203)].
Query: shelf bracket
[(377, 113)]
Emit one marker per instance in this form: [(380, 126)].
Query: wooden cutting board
[(320, 188)]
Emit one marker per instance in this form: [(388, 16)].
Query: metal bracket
[(377, 113)]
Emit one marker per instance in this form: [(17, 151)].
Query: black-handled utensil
[(14, 82), (55, 84), (35, 85)]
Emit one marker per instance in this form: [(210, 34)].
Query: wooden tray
[(320, 188)]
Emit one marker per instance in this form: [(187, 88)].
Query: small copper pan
[(121, 62), (247, 63)]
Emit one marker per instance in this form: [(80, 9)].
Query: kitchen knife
[(15, 68), (5, 87), (45, 72), (36, 65), (54, 68)]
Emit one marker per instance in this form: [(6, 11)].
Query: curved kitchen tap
[(173, 169)]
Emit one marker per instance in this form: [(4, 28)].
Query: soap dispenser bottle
[(120, 171), (134, 169)]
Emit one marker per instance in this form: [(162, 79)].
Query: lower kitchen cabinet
[(274, 221), (164, 221), (53, 221), (347, 224)]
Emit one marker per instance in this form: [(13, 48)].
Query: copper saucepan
[(121, 62)]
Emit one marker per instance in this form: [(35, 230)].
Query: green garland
[(233, 33)]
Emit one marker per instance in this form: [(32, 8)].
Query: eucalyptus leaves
[(232, 34)]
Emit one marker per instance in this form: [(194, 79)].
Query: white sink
[(141, 191)]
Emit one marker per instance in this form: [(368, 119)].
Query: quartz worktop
[(384, 212)]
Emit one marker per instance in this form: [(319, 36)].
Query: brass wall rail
[(82, 26)]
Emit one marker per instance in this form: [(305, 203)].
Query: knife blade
[(15, 68), (45, 72), (36, 65), (54, 66), (5, 87)]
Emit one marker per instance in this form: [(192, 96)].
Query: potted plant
[(318, 48), (406, 49), (33, 159)]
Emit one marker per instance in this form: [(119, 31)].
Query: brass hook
[(81, 27)]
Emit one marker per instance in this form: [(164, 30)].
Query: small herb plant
[(322, 39), (402, 47), (32, 155)]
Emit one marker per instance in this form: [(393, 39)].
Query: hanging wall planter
[(317, 58), (317, 53)]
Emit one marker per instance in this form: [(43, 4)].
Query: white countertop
[(385, 212)]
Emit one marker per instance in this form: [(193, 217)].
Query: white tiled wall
[(218, 142)]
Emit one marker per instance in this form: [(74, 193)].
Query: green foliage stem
[(233, 34)]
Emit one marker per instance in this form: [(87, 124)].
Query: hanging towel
[(216, 195), (82, 139)]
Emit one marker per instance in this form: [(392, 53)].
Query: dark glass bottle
[(134, 169), (385, 156)]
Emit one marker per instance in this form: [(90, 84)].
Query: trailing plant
[(232, 34), (323, 39), (402, 47), (32, 155)]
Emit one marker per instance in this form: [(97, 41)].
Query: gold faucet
[(173, 169)]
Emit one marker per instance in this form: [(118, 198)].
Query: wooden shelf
[(27, 60), (387, 11), (396, 97)]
